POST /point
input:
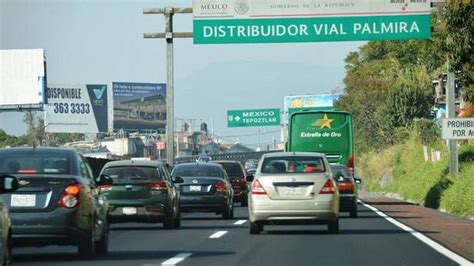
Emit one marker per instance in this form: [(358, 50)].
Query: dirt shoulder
[(455, 233)]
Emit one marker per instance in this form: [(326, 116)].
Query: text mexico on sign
[(253, 118), (262, 21)]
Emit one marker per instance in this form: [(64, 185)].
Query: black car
[(8, 184), (58, 201), (206, 188), (348, 192), (238, 176)]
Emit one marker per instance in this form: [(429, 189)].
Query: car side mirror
[(357, 180), (104, 180), (8, 183), (249, 178), (178, 180)]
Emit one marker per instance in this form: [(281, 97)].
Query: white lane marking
[(434, 245), (218, 234), (176, 259), (239, 222)]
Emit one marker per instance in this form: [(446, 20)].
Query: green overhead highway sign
[(261, 21), (253, 118)]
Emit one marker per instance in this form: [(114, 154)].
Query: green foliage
[(427, 131), (388, 83), (401, 169)]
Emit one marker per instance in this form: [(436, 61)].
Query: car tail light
[(70, 197), (345, 186), (257, 188), (350, 164), (105, 187), (154, 209), (220, 186), (158, 185), (328, 187), (27, 171)]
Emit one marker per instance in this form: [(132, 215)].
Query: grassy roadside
[(402, 169)]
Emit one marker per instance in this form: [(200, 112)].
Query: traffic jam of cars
[(53, 197)]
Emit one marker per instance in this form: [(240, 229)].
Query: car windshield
[(35, 162), (232, 169), (293, 164), (130, 173), (197, 170)]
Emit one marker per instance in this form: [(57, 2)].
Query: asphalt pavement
[(207, 239)]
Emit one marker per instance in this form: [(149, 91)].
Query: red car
[(237, 176)]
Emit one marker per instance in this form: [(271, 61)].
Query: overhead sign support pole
[(169, 35)]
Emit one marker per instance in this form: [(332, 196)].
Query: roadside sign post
[(169, 35), (452, 143)]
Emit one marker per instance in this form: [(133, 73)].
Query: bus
[(325, 131)]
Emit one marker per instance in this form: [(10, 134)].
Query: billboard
[(139, 106), (263, 21), (76, 108), (22, 78), (313, 102)]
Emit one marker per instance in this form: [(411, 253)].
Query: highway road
[(205, 239)]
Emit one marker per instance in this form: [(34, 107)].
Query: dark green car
[(143, 191)]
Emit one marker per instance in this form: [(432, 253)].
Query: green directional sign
[(253, 118), (283, 30), (263, 21)]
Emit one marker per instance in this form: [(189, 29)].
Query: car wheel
[(86, 246), (169, 223), (245, 201), (228, 212), (7, 255), (353, 212), (255, 228), (102, 246), (177, 221), (333, 226)]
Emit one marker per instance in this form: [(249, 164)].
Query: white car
[(293, 188)]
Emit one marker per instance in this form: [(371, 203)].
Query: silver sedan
[(293, 188)]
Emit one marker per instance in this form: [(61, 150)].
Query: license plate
[(195, 188), (23, 200), (129, 210), (292, 191)]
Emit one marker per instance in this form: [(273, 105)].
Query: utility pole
[(451, 113), (169, 35)]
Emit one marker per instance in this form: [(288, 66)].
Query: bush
[(402, 169)]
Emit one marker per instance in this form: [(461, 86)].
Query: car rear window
[(35, 162), (293, 164), (197, 170), (131, 173), (232, 169), (339, 170)]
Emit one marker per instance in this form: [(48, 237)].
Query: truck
[(325, 131)]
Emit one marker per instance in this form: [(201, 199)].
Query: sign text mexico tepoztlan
[(253, 118), (261, 21)]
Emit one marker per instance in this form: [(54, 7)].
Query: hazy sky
[(100, 41)]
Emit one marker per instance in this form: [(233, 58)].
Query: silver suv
[(293, 188)]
